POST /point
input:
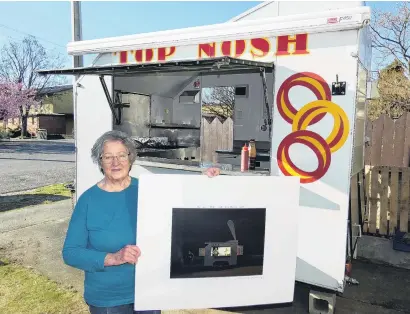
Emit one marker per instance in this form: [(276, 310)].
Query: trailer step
[(322, 302)]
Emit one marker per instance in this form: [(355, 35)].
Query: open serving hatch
[(160, 105)]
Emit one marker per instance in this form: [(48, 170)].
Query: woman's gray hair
[(113, 136)]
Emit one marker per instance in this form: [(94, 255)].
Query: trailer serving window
[(191, 112)]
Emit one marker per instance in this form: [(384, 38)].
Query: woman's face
[(115, 160)]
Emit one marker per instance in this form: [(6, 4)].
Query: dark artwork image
[(217, 242)]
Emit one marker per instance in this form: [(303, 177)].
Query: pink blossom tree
[(15, 100), (19, 62)]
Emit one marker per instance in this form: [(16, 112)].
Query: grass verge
[(22, 291), (44, 195), (55, 189)]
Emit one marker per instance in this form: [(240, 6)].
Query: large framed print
[(217, 242)]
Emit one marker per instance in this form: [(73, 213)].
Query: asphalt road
[(26, 165)]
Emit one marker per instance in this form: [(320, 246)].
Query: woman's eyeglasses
[(110, 158)]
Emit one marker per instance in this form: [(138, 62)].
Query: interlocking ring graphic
[(308, 115)]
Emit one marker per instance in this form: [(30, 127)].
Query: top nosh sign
[(263, 49)]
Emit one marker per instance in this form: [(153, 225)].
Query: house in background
[(55, 114), (57, 102)]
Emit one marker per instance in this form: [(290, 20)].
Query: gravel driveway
[(29, 164)]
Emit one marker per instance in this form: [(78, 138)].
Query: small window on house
[(189, 96), (241, 91)]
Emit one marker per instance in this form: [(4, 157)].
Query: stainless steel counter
[(195, 166)]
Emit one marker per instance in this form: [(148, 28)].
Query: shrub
[(4, 133)]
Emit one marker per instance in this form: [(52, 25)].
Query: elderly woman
[(101, 236)]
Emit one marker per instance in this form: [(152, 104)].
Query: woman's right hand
[(128, 254)]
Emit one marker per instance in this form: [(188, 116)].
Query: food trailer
[(297, 74)]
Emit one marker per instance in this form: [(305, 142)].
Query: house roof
[(55, 89)]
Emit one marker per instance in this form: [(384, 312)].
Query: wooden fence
[(389, 141), (388, 200), (387, 176), (216, 134)]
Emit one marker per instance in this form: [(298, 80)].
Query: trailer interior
[(169, 109)]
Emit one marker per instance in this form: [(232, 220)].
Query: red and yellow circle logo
[(310, 114)]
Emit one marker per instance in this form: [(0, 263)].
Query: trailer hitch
[(117, 105)]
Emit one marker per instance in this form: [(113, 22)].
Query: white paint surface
[(158, 194), (94, 118), (322, 228), (269, 27)]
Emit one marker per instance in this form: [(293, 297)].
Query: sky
[(50, 21)]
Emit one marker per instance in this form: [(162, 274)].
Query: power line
[(13, 38), (40, 38)]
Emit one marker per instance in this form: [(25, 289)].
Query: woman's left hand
[(212, 172)]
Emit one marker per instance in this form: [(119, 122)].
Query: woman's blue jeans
[(121, 309)]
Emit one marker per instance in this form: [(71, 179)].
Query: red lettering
[(299, 41), (149, 54), (260, 47), (164, 53), (123, 57), (145, 55), (207, 49), (138, 55), (256, 47), (238, 48)]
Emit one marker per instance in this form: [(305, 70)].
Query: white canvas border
[(159, 194)]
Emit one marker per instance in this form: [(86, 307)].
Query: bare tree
[(391, 46), (219, 101), (19, 63), (391, 36), (394, 93)]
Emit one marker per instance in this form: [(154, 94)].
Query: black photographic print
[(217, 242)]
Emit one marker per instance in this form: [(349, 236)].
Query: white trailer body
[(316, 92)]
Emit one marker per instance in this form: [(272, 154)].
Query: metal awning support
[(268, 111), (209, 66), (116, 104)]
